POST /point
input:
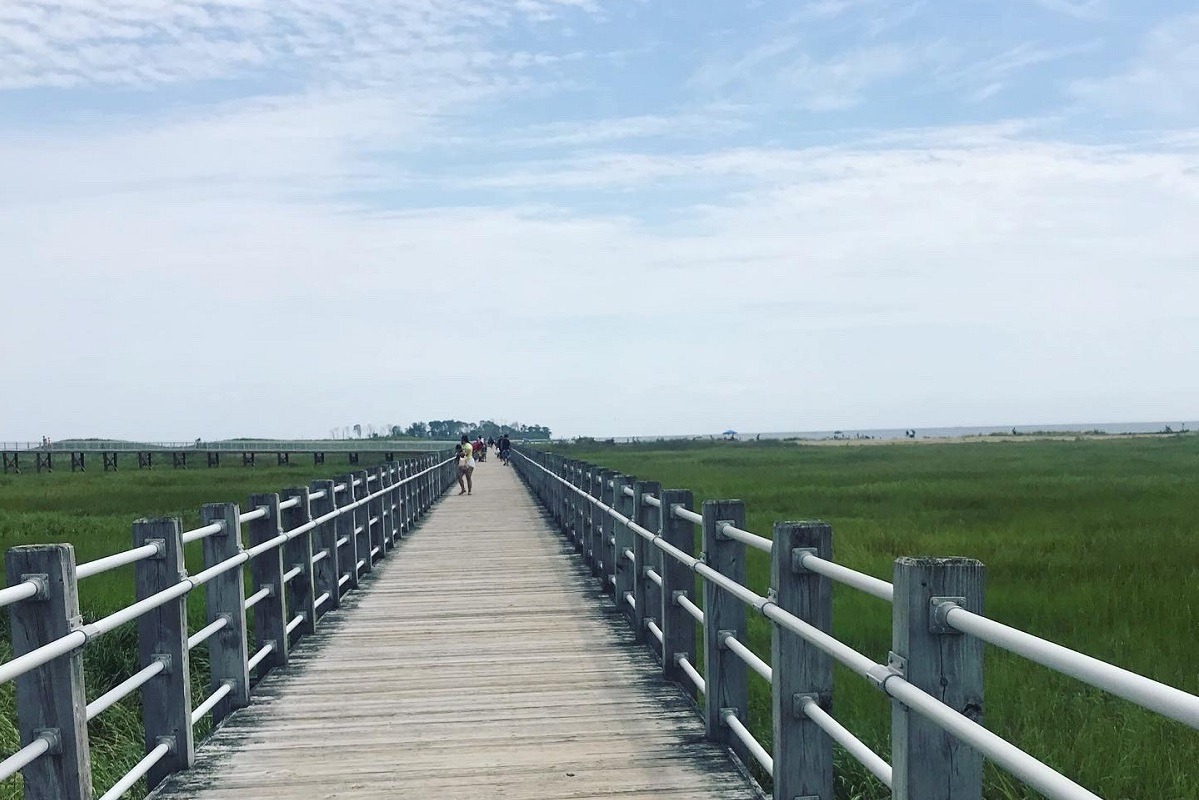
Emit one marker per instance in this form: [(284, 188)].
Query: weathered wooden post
[(375, 512), (678, 627), (362, 518), (725, 675), (225, 598), (162, 637), (803, 754), (595, 519), (577, 511), (646, 601), (927, 762), (347, 541), (607, 545), (402, 472), (391, 530), (51, 700), (623, 571), (266, 571), (327, 569), (297, 562), (418, 489)]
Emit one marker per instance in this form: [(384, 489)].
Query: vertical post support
[(625, 572), (678, 628), (726, 675), (362, 518), (225, 598), (389, 504), (645, 595), (406, 498), (607, 549), (595, 517), (266, 572), (803, 754), (328, 569), (586, 481), (376, 531), (928, 763), (162, 637), (344, 529), (297, 553), (51, 700)]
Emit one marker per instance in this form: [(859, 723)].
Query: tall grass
[(1093, 544), (93, 511)]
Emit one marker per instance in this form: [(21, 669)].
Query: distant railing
[(638, 541), (43, 454), (308, 548), (230, 445)]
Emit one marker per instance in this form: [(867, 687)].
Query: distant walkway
[(478, 663)]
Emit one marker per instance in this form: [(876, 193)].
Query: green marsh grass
[(1093, 544), (93, 511)]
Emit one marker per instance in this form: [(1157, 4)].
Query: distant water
[(1175, 426)]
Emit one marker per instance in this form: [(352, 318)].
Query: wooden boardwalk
[(477, 661)]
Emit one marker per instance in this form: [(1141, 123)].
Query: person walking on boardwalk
[(505, 446), (466, 466)]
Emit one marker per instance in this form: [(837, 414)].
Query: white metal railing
[(311, 524), (599, 510)]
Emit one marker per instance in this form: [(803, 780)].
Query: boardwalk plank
[(478, 660)]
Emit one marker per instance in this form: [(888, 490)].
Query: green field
[(1092, 544), (94, 511)]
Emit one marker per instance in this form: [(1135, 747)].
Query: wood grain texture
[(479, 661)]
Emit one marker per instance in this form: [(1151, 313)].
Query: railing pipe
[(1144, 692), (125, 557)]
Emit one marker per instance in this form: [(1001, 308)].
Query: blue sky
[(625, 217)]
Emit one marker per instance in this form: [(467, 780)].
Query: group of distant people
[(468, 454)]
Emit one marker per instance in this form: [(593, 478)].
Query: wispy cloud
[(1163, 78), (782, 72), (141, 43), (985, 77), (1082, 9)]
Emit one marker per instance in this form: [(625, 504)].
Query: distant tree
[(417, 430), (396, 431), (358, 431)]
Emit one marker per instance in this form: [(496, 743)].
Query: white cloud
[(870, 278), (787, 75), (992, 73), (144, 42), (1163, 78)]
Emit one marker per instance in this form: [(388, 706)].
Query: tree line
[(444, 430)]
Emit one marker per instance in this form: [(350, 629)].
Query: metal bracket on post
[(721, 636), (675, 595), (939, 608), (720, 526), (879, 674), (724, 716), (797, 701), (53, 737), (42, 581), (797, 556)]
